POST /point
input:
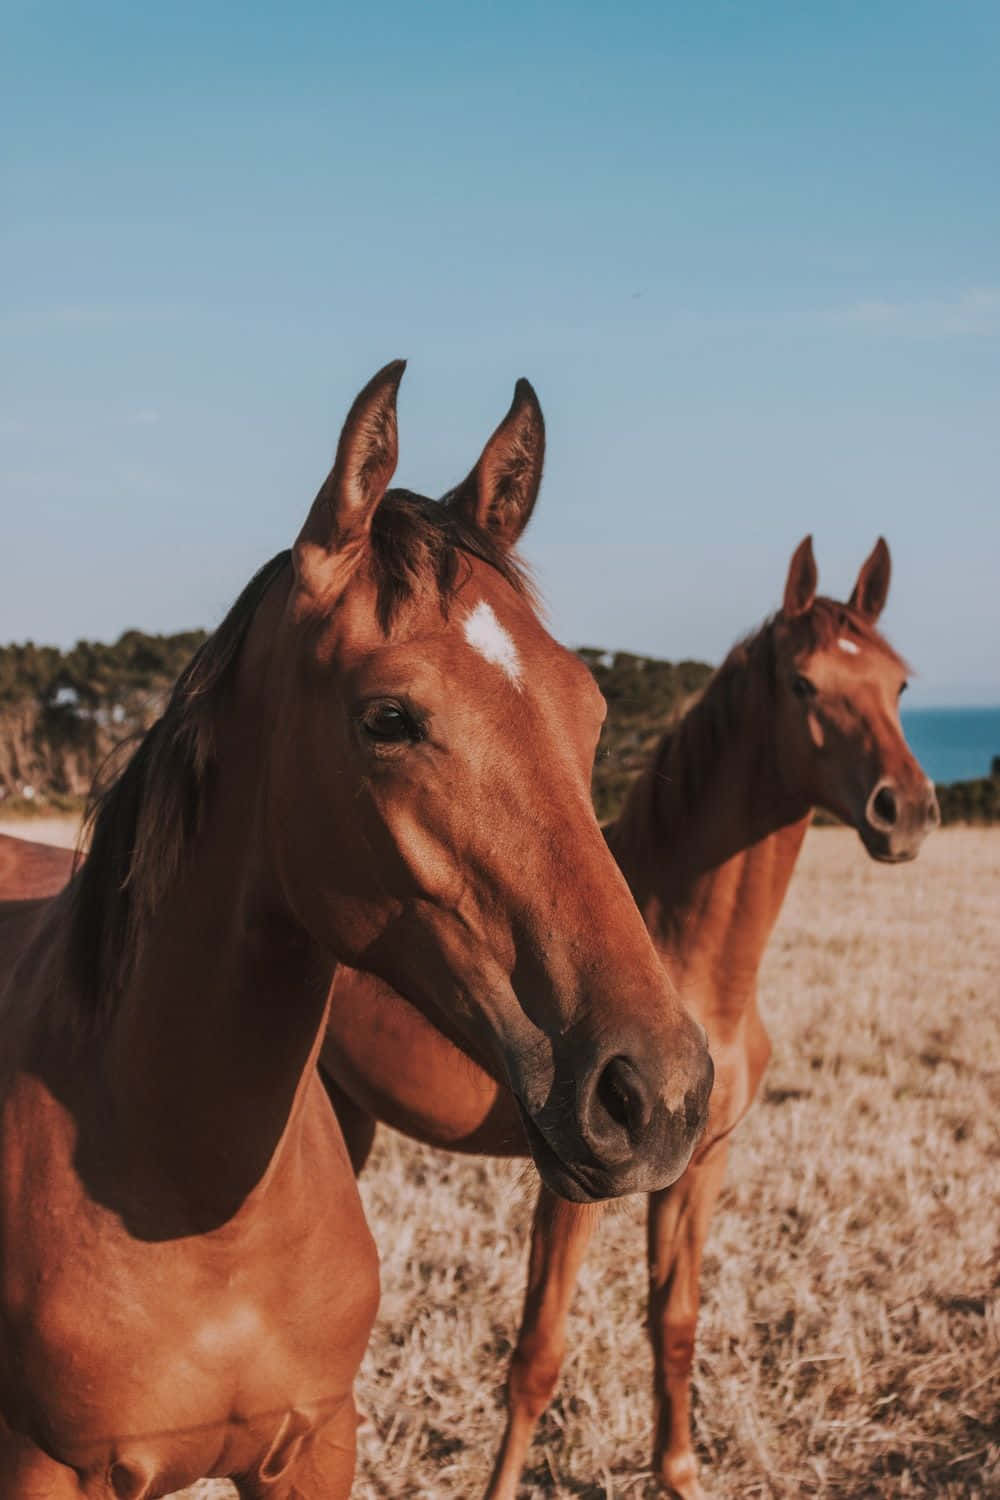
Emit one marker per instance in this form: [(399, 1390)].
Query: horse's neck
[(710, 877), (214, 1041)]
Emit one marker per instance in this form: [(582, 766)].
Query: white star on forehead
[(486, 635), (850, 647)]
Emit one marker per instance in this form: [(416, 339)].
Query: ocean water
[(953, 744)]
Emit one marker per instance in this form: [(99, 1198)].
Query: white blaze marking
[(486, 635), (850, 647)]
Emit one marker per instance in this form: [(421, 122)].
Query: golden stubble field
[(850, 1334)]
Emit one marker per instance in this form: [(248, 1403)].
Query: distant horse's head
[(839, 682), (428, 802)]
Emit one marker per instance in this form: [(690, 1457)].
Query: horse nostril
[(884, 805), (621, 1096)]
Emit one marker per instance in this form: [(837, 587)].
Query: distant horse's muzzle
[(897, 819)]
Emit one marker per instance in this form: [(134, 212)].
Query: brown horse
[(802, 714), (382, 757)]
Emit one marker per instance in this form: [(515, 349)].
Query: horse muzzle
[(897, 819), (632, 1128)]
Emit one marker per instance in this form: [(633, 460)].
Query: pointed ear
[(800, 586), (365, 463), (872, 587), (500, 493)]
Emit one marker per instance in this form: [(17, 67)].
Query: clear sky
[(749, 255)]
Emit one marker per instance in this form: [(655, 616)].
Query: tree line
[(62, 712)]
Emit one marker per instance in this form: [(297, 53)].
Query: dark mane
[(687, 756), (141, 819)]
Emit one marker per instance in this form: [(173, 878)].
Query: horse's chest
[(170, 1381), (173, 1359)]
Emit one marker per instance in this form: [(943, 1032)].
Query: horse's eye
[(388, 724), (802, 687), (902, 688)]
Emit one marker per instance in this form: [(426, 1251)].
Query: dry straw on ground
[(850, 1337)]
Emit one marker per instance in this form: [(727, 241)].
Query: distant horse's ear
[(872, 587), (800, 586), (365, 463), (500, 493)]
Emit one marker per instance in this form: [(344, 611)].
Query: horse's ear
[(872, 587), (800, 586), (500, 493), (365, 463)]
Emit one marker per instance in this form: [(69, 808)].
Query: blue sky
[(748, 255)]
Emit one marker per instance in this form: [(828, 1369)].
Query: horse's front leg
[(559, 1238), (26, 1473), (679, 1217)]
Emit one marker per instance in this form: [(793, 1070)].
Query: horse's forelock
[(827, 622), (416, 541)]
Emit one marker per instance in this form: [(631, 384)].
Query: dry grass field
[(850, 1335)]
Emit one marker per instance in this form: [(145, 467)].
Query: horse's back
[(29, 870)]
